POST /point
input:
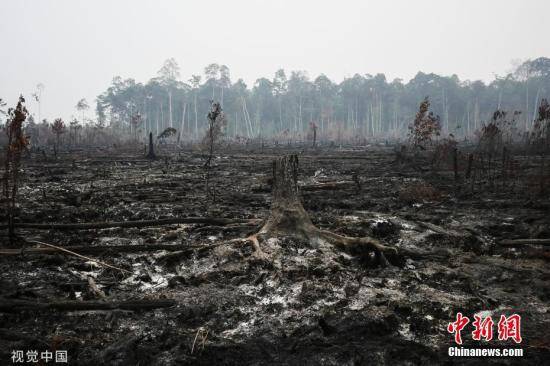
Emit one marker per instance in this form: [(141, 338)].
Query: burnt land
[(208, 299)]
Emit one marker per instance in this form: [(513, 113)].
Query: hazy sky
[(75, 47)]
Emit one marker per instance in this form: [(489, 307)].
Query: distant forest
[(287, 104)]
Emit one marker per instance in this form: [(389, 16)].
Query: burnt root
[(289, 218)]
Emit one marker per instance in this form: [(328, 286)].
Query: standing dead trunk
[(455, 163), (151, 155), (182, 126), (170, 108), (287, 213), (469, 168), (542, 175), (196, 118), (289, 218)]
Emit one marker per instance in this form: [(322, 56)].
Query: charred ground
[(305, 305)]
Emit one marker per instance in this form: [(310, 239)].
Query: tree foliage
[(286, 103), (425, 127)]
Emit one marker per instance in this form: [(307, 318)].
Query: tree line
[(292, 105)]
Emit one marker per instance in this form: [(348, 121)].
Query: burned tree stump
[(151, 155), (289, 218)]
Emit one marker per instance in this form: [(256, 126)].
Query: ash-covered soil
[(307, 305)]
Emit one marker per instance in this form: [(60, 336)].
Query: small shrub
[(425, 127)]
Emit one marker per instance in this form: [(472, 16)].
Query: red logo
[(484, 329), (457, 326), (508, 327)]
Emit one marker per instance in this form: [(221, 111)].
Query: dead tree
[(216, 122), (540, 138), (167, 133), (151, 155), (289, 218), (135, 122), (17, 143), (425, 126), (58, 128), (313, 127)]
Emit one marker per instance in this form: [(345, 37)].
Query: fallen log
[(98, 249), (440, 230), (81, 256), (522, 242), (438, 254), (19, 305), (9, 335), (142, 223), (326, 186), (83, 285), (226, 228)]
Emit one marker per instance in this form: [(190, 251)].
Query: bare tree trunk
[(280, 114), (151, 155), (161, 117), (380, 116), (196, 119), (476, 114), (157, 124), (182, 127), (170, 108), (289, 218), (536, 105), (300, 115), (526, 106), (468, 118), (236, 129)]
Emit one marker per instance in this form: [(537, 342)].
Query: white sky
[(75, 47)]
